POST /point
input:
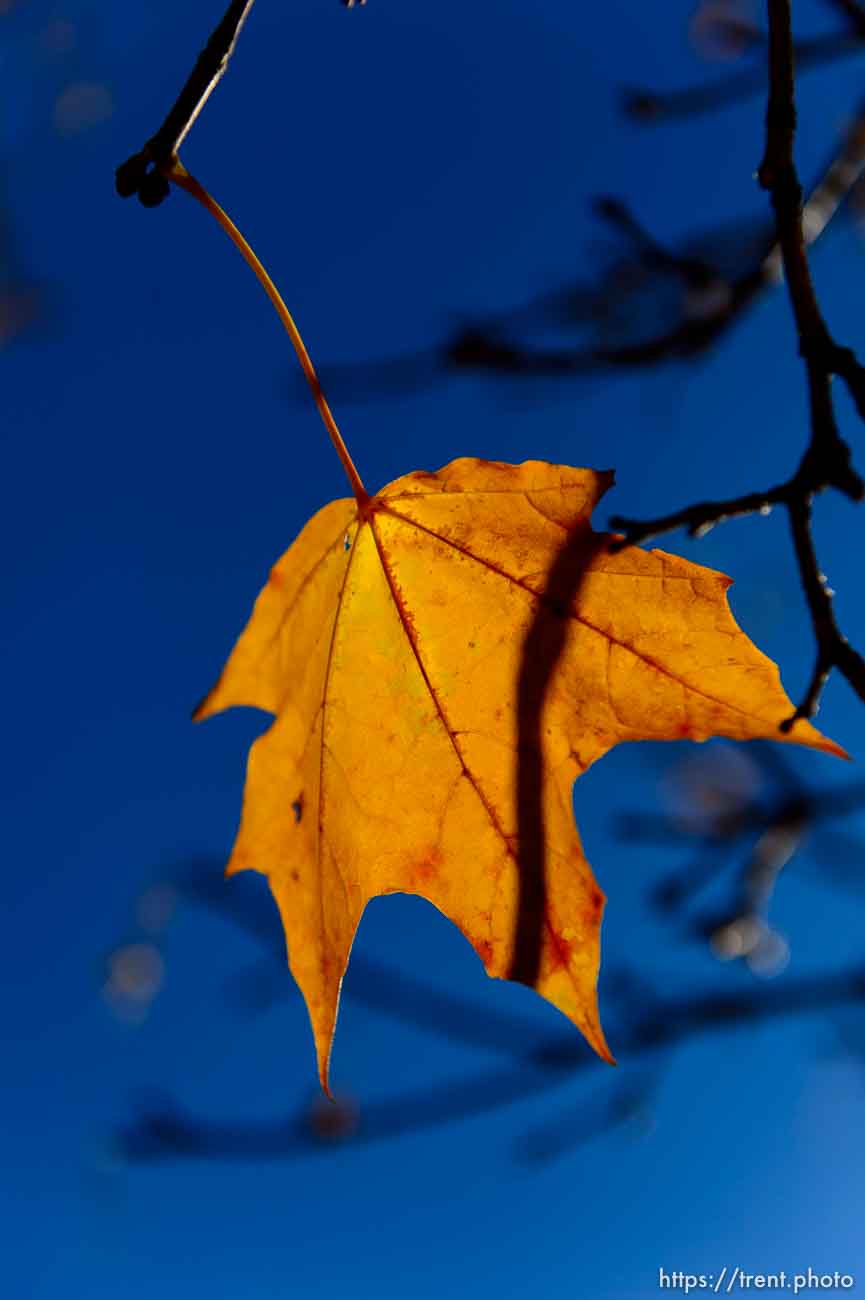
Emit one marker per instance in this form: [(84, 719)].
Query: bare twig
[(826, 462), (142, 173)]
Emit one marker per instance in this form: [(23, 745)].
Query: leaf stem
[(176, 172)]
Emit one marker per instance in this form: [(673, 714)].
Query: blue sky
[(401, 170)]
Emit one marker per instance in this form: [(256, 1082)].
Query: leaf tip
[(199, 713), (324, 1051), (234, 867), (827, 746), (803, 732), (324, 1079), (595, 1036), (206, 706)]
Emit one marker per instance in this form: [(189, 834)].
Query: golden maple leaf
[(443, 660)]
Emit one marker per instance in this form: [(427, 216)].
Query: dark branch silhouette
[(826, 462), (142, 173)]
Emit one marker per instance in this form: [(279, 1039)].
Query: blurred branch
[(168, 1133), (644, 1024), (712, 299), (142, 173), (724, 807), (720, 300), (826, 462), (603, 1112), (814, 806), (656, 108), (22, 298), (740, 34), (853, 11), (374, 985)]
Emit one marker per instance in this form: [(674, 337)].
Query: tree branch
[(826, 462), (142, 173)]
